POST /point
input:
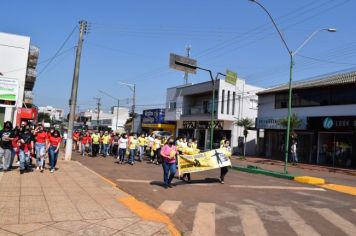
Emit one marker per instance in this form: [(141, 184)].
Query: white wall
[(13, 64)]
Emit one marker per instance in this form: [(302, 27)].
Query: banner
[(213, 159), (8, 92)]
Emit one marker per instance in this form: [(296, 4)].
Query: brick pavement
[(72, 201)]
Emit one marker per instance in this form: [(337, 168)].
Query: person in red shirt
[(86, 141), (75, 140), (41, 138), (53, 145)]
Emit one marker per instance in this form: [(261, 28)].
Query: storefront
[(336, 140), (153, 120), (201, 131)]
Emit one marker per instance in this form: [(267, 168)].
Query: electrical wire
[(58, 51)]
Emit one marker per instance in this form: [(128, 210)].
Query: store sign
[(231, 77), (153, 116), (332, 123), (218, 125), (8, 92), (273, 123)]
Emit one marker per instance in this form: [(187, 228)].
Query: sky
[(131, 40)]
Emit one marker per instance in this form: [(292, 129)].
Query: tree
[(246, 123), (295, 122), (43, 117)]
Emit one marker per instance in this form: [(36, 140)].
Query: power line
[(58, 51)]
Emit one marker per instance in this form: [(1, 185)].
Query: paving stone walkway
[(71, 201)]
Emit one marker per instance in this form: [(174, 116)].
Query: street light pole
[(291, 55), (118, 105), (133, 89)]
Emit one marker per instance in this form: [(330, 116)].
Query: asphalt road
[(247, 204)]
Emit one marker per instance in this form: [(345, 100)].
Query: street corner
[(309, 180)]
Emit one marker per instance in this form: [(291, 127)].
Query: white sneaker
[(52, 170), (37, 168)]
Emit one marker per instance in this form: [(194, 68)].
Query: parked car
[(162, 134)]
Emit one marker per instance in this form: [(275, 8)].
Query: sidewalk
[(331, 175), (72, 201)]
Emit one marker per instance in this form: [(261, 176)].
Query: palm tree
[(246, 123), (295, 122)]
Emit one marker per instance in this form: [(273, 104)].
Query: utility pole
[(98, 103), (73, 97), (133, 107), (188, 48)]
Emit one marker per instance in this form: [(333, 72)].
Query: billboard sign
[(153, 116), (185, 64), (231, 77), (9, 89)]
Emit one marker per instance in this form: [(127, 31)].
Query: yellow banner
[(213, 159)]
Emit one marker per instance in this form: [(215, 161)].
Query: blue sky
[(130, 41)]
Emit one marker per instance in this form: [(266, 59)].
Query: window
[(222, 101), (322, 96), (228, 102), (253, 104), (233, 102), (172, 105)]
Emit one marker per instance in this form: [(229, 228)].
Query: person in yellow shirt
[(141, 146), (156, 147), (95, 143), (133, 142), (188, 150), (224, 170), (106, 141), (222, 142)]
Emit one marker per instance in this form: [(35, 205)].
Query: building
[(327, 107), (115, 120), (18, 63), (190, 107), (154, 120), (54, 113)]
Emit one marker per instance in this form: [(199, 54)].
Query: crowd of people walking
[(28, 142), (128, 148), (31, 144)]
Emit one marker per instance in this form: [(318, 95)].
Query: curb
[(309, 180), (257, 170), (140, 208), (340, 188)]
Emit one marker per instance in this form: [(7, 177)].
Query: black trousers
[(95, 149), (223, 172)]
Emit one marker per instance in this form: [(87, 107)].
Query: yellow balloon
[(172, 153)]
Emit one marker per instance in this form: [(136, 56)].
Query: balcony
[(33, 56), (197, 112)]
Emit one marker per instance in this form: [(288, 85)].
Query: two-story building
[(326, 105), (190, 106)]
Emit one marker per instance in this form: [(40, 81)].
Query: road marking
[(204, 221), (277, 187), (134, 181), (344, 225), (296, 222), (252, 224), (169, 207), (341, 188)]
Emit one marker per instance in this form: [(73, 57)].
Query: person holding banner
[(224, 170), (169, 154)]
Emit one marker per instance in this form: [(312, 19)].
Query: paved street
[(72, 201), (247, 204)]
